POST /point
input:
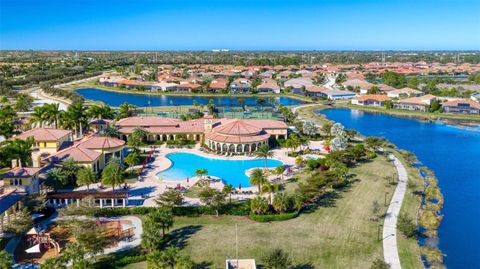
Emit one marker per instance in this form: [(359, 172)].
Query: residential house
[(358, 84), (218, 85), (377, 100), (461, 106), (333, 94), (266, 74), (298, 85), (187, 87), (268, 86), (10, 204), (47, 141), (164, 86), (23, 179), (404, 92), (240, 85), (419, 103)]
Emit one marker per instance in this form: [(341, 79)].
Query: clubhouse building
[(220, 135)]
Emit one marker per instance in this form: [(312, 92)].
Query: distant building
[(461, 106), (420, 103), (268, 86), (298, 85), (241, 86), (377, 100), (406, 92)]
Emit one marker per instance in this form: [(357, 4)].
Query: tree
[(38, 116), (70, 167), (54, 263), (327, 127), (100, 112), (21, 150), (168, 258), (6, 260), (259, 205), (23, 102), (379, 264), (125, 111), (134, 142), (7, 120), (75, 118), (264, 152), (276, 259), (155, 224), (212, 198), (375, 208), (257, 178), (21, 224), (52, 114), (111, 131), (279, 170), (201, 172), (86, 176), (227, 190), (310, 129), (35, 202), (170, 198), (112, 174), (133, 158), (406, 225), (56, 178), (281, 202)]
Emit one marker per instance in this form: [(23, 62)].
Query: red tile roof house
[(358, 84), (298, 85), (420, 103), (268, 86), (241, 85), (370, 100), (406, 92), (461, 106), (224, 135), (187, 87), (218, 85)]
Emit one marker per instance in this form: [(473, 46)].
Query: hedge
[(237, 209), (274, 217)]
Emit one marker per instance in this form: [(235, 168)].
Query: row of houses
[(420, 103)]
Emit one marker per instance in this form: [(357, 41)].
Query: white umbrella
[(33, 231), (34, 249)]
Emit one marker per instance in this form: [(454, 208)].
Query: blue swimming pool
[(231, 171)]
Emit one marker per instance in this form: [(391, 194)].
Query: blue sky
[(239, 25)]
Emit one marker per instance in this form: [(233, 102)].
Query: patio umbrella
[(34, 249), (239, 186)]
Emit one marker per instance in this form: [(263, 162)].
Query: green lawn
[(340, 233)]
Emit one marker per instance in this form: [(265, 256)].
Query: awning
[(34, 249)]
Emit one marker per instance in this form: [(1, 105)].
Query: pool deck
[(151, 186)]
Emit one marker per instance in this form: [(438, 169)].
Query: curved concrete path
[(390, 249)]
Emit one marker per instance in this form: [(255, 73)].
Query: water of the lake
[(141, 100), (453, 153)]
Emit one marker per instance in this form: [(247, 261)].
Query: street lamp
[(386, 193), (378, 231)]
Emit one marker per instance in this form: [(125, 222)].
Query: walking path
[(390, 249)]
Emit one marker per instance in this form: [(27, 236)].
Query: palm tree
[(259, 205), (21, 150), (227, 190), (264, 152), (75, 118), (52, 113), (257, 178), (100, 112), (125, 110), (279, 170), (38, 116), (280, 202), (86, 176), (6, 260), (201, 172), (112, 175), (70, 167)]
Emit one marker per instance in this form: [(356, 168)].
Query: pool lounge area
[(183, 166)]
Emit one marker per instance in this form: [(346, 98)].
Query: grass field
[(340, 233)]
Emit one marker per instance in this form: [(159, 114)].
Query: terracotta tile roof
[(314, 88), (421, 100), (101, 142), (237, 127), (22, 172), (77, 153), (147, 121), (458, 102), (237, 139), (376, 97), (405, 90), (44, 134)]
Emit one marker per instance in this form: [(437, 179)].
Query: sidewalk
[(390, 249)]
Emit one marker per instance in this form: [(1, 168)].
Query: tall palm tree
[(112, 175), (52, 114), (264, 152), (100, 112), (21, 150), (75, 118), (38, 116), (257, 178), (86, 176)]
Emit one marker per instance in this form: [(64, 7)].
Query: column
[(101, 203), (54, 202), (66, 202), (78, 202), (113, 202), (124, 202)]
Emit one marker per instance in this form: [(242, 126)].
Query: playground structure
[(116, 229), (40, 241)]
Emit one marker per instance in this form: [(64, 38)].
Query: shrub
[(274, 217), (276, 259), (406, 226)]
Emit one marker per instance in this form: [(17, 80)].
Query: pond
[(453, 153), (141, 100)]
